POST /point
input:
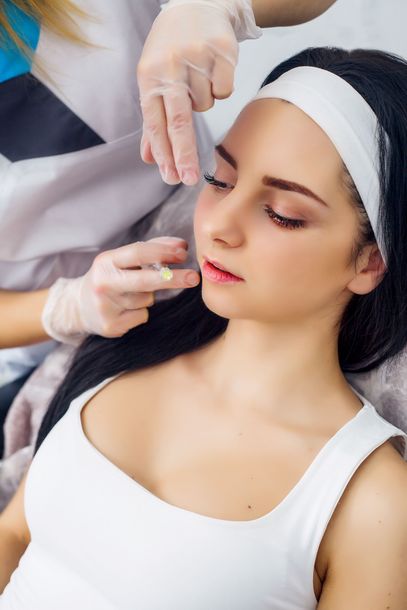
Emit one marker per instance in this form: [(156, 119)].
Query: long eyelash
[(288, 223), (216, 183)]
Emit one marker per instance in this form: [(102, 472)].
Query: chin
[(222, 304)]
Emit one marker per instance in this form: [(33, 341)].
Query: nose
[(225, 224)]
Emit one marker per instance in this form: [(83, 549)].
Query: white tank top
[(101, 541)]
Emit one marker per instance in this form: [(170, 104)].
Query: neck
[(276, 368)]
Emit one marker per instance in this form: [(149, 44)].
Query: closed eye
[(282, 221)]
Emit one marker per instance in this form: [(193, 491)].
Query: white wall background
[(379, 24)]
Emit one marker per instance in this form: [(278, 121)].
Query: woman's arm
[(14, 535), (20, 318), (367, 565), (272, 13)]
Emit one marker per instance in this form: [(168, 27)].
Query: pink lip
[(217, 273), (219, 266)]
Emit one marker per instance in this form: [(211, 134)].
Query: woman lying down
[(216, 458)]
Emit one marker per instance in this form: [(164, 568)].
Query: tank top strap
[(81, 400), (322, 486)]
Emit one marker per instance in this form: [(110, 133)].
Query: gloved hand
[(114, 295), (188, 60)]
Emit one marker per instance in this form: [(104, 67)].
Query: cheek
[(301, 271), (274, 265)]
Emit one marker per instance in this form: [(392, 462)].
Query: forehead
[(275, 136)]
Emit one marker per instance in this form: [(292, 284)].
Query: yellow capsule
[(165, 272)]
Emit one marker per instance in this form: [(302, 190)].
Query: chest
[(194, 455)]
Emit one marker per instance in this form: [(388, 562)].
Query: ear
[(370, 268)]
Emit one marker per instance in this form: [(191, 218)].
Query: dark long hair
[(373, 327)]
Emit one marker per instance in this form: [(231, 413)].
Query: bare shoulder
[(379, 484), (131, 395), (366, 541), (119, 420), (375, 498)]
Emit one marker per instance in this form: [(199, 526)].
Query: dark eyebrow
[(283, 185)]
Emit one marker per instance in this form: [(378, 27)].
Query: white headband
[(347, 119)]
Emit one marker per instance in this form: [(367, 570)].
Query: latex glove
[(188, 60), (114, 295)]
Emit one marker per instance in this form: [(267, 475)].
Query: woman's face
[(276, 161)]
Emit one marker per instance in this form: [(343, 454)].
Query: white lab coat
[(57, 212)]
